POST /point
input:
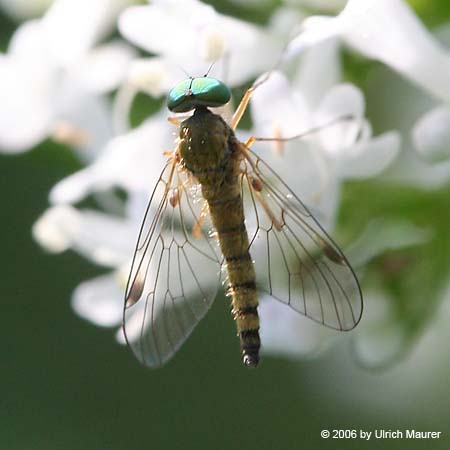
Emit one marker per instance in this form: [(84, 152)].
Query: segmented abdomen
[(227, 215), (210, 151)]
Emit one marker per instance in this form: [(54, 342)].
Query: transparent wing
[(296, 262), (175, 271)]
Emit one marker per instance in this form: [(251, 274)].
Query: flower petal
[(55, 229), (169, 28), (25, 118), (431, 135), (75, 187), (100, 301), (314, 30), (342, 101), (320, 70), (104, 239), (406, 105), (389, 31), (386, 30), (383, 235), (83, 121), (103, 68), (24, 9), (29, 45), (289, 115), (380, 338), (154, 75), (412, 170), (193, 35), (369, 158), (128, 161), (288, 111), (287, 333), (72, 27)]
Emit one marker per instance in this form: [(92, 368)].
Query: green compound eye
[(195, 92)]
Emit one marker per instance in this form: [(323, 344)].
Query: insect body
[(195, 224), (210, 151)]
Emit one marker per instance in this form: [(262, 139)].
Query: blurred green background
[(67, 385)]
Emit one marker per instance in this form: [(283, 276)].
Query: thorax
[(206, 143)]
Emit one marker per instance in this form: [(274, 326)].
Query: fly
[(215, 203)]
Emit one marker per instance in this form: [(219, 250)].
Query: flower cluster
[(61, 78)]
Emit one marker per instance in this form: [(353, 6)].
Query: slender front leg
[(237, 116), (251, 140), (240, 110), (319, 159), (174, 121)]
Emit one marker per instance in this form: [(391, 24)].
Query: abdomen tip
[(250, 360)]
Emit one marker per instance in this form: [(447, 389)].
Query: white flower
[(28, 9), (314, 167), (108, 240), (382, 235), (135, 158), (152, 75), (132, 161), (423, 121), (100, 300), (431, 135), (381, 337), (24, 9), (190, 37), (104, 239), (324, 158), (389, 31), (320, 162), (55, 228), (289, 334), (420, 371), (193, 35), (53, 77)]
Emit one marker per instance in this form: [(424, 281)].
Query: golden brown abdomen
[(210, 151), (227, 215)]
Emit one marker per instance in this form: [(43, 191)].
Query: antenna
[(184, 70), (210, 67)]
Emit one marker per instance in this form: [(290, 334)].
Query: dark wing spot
[(135, 291), (331, 253)]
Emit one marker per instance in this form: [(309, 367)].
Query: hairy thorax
[(208, 151)]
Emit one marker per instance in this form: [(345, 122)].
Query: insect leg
[(321, 165), (257, 184), (197, 229), (174, 121), (178, 119), (240, 110), (251, 140), (237, 116)]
